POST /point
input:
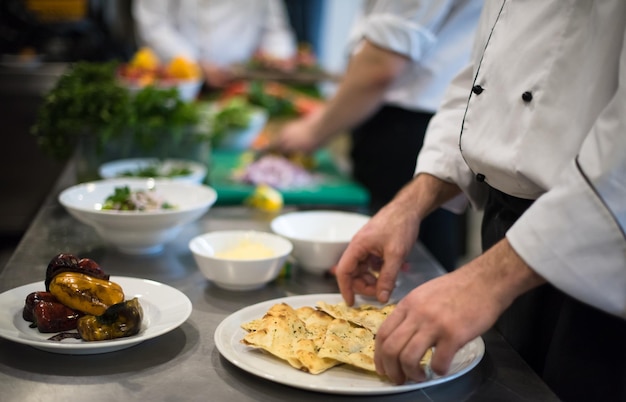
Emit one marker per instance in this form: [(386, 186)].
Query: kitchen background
[(37, 40)]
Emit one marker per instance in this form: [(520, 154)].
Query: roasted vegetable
[(54, 317), (70, 263), (118, 321), (84, 293), (32, 300)]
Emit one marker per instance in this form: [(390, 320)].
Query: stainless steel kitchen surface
[(185, 364)]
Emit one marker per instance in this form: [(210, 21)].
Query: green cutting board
[(334, 188)]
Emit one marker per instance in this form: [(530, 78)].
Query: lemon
[(145, 58), (265, 198), (180, 67)]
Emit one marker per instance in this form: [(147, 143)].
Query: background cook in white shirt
[(217, 33), (544, 121), (403, 55)]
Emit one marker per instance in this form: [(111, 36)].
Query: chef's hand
[(216, 76), (370, 264), (449, 311), (300, 135)]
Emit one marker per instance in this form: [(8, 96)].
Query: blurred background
[(39, 38)]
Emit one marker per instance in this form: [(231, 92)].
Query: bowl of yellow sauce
[(240, 259)]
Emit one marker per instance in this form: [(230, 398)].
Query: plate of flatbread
[(317, 343)]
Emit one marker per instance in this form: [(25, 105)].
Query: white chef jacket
[(546, 120), (436, 35), (220, 31)]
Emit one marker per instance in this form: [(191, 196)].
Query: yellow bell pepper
[(85, 293)]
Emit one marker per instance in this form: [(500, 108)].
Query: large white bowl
[(138, 232), (126, 168), (246, 272), (319, 238)]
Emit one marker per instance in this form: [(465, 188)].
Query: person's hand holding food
[(216, 76), (449, 311), (301, 135), (376, 254)]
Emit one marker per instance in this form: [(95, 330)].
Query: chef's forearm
[(424, 194), (504, 273), (361, 92)]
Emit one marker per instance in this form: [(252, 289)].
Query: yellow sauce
[(246, 250)]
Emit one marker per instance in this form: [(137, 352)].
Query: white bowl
[(138, 232), (130, 167), (188, 90), (247, 270), (319, 238)]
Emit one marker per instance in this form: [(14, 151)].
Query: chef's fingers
[(391, 339), (350, 267), (443, 355), (411, 357), (392, 263)]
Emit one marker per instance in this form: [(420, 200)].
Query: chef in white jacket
[(534, 133), (216, 33)]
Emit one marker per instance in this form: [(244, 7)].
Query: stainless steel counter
[(184, 365)]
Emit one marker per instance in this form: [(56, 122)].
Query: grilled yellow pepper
[(85, 293)]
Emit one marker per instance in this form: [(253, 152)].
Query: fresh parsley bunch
[(87, 101)]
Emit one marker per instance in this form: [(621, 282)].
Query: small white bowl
[(246, 271), (188, 90), (119, 168), (138, 232), (319, 238)]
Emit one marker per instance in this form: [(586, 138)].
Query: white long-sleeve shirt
[(436, 35), (219, 31), (547, 121)]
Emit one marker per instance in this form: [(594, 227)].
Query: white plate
[(338, 380), (164, 309), (115, 169)]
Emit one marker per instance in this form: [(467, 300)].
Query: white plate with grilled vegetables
[(341, 379), (164, 309)]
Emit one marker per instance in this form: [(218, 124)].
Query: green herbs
[(125, 199), (87, 101)]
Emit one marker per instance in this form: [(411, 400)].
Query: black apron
[(384, 152), (579, 351)]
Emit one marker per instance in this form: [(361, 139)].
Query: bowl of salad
[(137, 215), (175, 169)]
